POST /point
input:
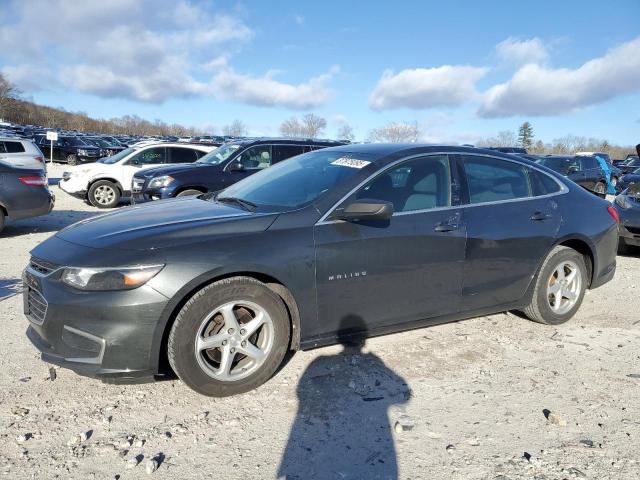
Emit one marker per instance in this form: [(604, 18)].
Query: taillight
[(33, 181), (39, 158), (614, 213)]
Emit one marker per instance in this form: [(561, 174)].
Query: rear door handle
[(539, 216)]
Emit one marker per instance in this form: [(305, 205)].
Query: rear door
[(512, 220), (403, 270)]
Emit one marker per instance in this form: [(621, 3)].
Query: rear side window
[(282, 152), (150, 156), (589, 162), (542, 183), (13, 147), (493, 180), (182, 155)]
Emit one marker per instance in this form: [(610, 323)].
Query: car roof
[(285, 140)]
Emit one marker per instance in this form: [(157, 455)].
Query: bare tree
[(345, 132), (313, 126), (291, 128), (236, 129), (8, 92), (395, 132)]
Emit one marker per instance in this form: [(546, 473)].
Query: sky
[(462, 70)]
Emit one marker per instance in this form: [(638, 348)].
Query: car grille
[(42, 266), (137, 184), (37, 306)]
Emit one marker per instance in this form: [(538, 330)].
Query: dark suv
[(218, 169), (582, 169), (69, 149)]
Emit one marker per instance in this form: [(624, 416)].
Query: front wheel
[(560, 287), (600, 188), (104, 194), (229, 338), (189, 193), (72, 159)]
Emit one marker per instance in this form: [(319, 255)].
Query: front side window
[(256, 158), (589, 162), (493, 180), (419, 184), (150, 156)]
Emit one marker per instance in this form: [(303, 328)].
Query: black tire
[(104, 194), (539, 309), (72, 159), (2, 221), (184, 331), (189, 193)]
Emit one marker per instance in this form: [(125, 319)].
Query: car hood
[(162, 224), (176, 169)]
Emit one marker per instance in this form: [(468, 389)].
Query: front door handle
[(445, 227), (539, 217)]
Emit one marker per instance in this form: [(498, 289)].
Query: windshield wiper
[(246, 204)]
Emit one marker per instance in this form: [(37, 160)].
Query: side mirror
[(365, 210), (236, 167)]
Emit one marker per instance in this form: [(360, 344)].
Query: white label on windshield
[(350, 162)]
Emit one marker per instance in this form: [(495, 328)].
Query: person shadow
[(342, 428)]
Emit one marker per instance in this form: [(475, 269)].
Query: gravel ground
[(489, 398)]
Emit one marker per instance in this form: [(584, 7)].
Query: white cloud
[(265, 91), (537, 90), (426, 87), (522, 52)]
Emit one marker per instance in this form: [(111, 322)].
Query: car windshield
[(557, 164), (297, 182), (117, 157), (633, 161), (219, 155)]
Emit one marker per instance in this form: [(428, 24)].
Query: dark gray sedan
[(24, 193), (348, 241)]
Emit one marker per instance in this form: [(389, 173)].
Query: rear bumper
[(33, 204)]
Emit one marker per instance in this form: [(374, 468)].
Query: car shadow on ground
[(52, 222), (342, 428), (9, 287)]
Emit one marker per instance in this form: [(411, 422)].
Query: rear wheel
[(229, 338), (560, 287), (104, 194), (189, 193), (72, 159)]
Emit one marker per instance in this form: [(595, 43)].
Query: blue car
[(219, 169)]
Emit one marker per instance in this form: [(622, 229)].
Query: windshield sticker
[(350, 162)]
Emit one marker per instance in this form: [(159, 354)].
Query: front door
[(407, 269)]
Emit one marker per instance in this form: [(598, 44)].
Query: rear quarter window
[(542, 183), (13, 147)]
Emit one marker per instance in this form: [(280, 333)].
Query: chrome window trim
[(563, 188)]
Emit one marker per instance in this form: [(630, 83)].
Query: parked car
[(24, 193), (583, 169), (627, 205), (107, 148), (103, 183), (341, 242), (21, 153), (220, 168), (631, 164), (70, 149), (629, 179)]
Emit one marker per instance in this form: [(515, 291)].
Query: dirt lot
[(459, 401)]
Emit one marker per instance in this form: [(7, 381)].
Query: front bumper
[(105, 335), (150, 195)]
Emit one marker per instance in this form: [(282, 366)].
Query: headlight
[(623, 201), (82, 151), (160, 182), (109, 278)]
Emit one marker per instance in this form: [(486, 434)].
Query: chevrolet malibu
[(217, 288)]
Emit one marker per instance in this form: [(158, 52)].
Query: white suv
[(21, 153), (103, 183)]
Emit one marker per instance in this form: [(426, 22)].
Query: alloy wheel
[(234, 340), (564, 287), (600, 188), (104, 194)]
